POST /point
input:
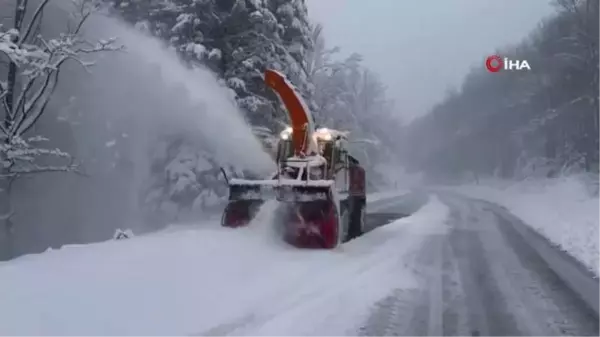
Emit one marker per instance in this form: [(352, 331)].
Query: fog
[(128, 99), (148, 84), (423, 48), (118, 109)]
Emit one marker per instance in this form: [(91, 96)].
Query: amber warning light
[(495, 63)]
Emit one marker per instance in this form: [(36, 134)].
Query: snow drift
[(209, 281)]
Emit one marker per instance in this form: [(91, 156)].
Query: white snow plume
[(265, 223), (150, 86)]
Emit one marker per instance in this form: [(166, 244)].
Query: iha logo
[(496, 63)]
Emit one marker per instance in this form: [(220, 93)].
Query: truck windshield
[(285, 149)]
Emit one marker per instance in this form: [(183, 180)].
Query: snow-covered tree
[(583, 61), (238, 40), (34, 64), (298, 41), (351, 97), (185, 180), (515, 124)]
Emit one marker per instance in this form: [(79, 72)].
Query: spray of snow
[(265, 223), (132, 110), (167, 93)]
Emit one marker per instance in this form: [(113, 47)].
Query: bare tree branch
[(39, 66), (30, 27), (26, 122), (81, 22), (44, 169), (22, 96), (27, 109), (20, 9)]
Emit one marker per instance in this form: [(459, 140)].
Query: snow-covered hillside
[(564, 210), (211, 281)]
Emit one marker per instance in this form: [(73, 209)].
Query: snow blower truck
[(319, 185)]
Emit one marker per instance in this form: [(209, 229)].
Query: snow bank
[(379, 196), (209, 281), (564, 210), (392, 174)]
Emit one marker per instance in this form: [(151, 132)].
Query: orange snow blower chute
[(301, 120), (308, 161)]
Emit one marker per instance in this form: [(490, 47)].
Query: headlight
[(324, 134), (285, 134)]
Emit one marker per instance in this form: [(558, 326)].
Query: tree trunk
[(595, 125), (7, 249), (596, 152), (11, 79)]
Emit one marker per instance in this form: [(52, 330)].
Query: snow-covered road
[(209, 281), (564, 210), (486, 276), (456, 266)]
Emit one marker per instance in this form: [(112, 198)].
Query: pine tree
[(239, 40)]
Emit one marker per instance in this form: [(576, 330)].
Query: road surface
[(488, 275), (468, 268)]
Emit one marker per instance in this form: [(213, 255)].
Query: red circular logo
[(493, 63)]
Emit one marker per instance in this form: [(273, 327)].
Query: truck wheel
[(357, 221), (345, 221), (363, 219), (330, 229)]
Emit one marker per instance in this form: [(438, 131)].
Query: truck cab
[(329, 147)]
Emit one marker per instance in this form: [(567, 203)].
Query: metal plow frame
[(280, 188), (314, 197)]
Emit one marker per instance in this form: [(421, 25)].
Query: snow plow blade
[(244, 202), (302, 193), (307, 215), (283, 191)]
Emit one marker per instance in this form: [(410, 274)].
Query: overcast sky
[(423, 47)]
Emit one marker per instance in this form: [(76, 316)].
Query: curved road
[(487, 275)]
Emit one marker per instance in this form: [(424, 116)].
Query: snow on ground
[(210, 281), (565, 210), (377, 196)]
